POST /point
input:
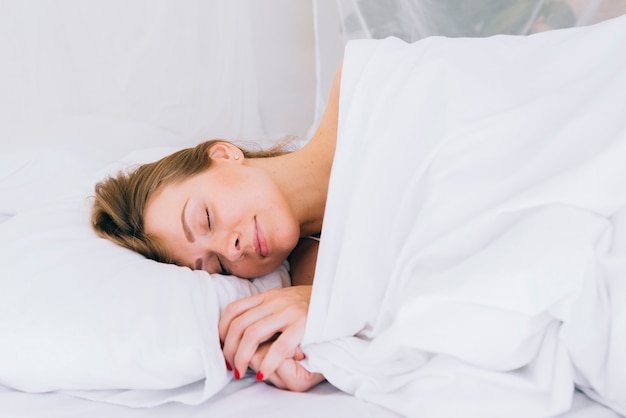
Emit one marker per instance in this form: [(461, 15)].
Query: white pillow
[(83, 315)]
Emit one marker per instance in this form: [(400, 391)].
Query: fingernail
[(259, 376), (228, 366), (237, 376)]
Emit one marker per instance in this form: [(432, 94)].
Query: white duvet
[(474, 247)]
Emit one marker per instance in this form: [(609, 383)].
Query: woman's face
[(229, 219)]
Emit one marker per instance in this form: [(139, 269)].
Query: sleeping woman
[(471, 219), (219, 208)]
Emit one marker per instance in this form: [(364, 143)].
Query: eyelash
[(208, 219)]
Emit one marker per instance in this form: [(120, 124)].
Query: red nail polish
[(237, 375), (259, 376), (228, 366)]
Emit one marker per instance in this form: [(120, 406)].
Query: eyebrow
[(186, 229)]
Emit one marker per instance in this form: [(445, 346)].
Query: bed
[(90, 329)]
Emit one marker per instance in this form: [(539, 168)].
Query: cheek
[(283, 246)]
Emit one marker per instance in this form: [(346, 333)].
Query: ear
[(226, 151)]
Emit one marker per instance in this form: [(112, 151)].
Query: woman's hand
[(290, 374), (247, 323)]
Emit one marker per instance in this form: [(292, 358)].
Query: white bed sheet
[(244, 398)]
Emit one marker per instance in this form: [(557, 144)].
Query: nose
[(230, 246)]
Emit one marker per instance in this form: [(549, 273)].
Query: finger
[(299, 354), (259, 332), (235, 309), (285, 347), (255, 362), (250, 323), (276, 380)]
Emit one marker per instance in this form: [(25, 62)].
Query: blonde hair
[(120, 200)]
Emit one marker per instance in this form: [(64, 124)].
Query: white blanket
[(474, 245)]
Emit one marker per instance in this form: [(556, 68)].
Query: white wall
[(286, 64), (83, 74)]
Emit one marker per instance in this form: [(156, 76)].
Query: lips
[(260, 244)]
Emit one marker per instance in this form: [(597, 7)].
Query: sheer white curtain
[(194, 69), (337, 21)]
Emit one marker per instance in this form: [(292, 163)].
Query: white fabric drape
[(339, 21)]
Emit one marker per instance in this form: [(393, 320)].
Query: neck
[(303, 177)]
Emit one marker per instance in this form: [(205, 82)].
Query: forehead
[(178, 189)]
